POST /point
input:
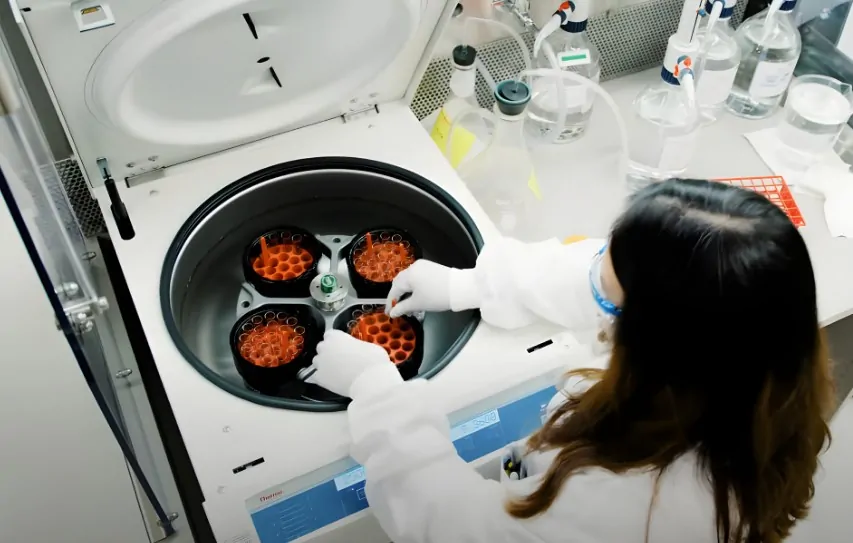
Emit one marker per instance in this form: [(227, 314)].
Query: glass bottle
[(769, 49), (664, 133), (462, 97), (563, 43), (720, 58), (502, 177)]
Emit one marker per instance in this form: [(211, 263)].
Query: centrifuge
[(219, 137)]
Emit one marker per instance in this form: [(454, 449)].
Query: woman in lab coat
[(705, 427)]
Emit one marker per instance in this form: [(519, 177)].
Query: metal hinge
[(81, 315), (9, 101), (123, 374), (172, 517), (359, 113)]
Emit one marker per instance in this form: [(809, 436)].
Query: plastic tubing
[(487, 77), (689, 84), (687, 80), (525, 54), (713, 17), (562, 106), (571, 76), (771, 16)]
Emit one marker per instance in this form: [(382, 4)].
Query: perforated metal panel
[(630, 39), (85, 207)]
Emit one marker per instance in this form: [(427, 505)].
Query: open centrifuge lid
[(220, 72)]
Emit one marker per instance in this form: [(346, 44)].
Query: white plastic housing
[(173, 81)]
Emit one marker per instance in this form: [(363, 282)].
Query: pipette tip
[(369, 242), (264, 251)]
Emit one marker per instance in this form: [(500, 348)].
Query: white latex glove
[(351, 367), (429, 285)]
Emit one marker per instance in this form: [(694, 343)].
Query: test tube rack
[(774, 189), (278, 322)]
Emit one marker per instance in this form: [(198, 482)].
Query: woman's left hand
[(342, 359)]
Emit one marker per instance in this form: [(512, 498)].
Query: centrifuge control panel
[(282, 518)]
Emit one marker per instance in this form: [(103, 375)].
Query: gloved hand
[(429, 285), (351, 367)]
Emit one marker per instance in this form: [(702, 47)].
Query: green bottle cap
[(328, 284)]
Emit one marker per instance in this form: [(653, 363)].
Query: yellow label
[(533, 185), (573, 239), (462, 141), (89, 11)]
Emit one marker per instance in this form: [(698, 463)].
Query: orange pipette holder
[(281, 263), (402, 338), (376, 257), (272, 343)]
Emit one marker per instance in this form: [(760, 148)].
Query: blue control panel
[(289, 518)]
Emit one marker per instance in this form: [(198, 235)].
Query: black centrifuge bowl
[(202, 275)]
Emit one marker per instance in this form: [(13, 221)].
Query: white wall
[(62, 476)]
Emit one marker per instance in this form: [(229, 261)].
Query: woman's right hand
[(427, 283)]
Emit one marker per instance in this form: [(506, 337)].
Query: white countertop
[(583, 196)]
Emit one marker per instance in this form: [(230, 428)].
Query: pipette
[(265, 253)]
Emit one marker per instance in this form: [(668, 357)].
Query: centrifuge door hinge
[(8, 96), (366, 111), (81, 314)]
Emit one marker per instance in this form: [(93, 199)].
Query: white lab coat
[(422, 492)]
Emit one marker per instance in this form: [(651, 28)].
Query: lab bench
[(582, 193)]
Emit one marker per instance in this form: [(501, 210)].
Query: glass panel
[(36, 199)]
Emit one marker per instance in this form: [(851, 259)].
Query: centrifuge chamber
[(191, 227), (204, 289), (218, 120)]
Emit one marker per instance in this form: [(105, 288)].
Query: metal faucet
[(519, 8)]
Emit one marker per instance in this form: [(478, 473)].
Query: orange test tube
[(265, 252)]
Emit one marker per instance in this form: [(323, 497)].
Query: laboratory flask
[(665, 125), (501, 177), (719, 58), (816, 110), (770, 47), (563, 44), (462, 97)]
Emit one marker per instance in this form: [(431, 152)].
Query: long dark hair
[(717, 350)]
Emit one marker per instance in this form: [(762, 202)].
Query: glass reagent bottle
[(719, 59), (502, 178), (564, 44), (770, 47)]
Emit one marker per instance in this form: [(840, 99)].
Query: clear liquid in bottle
[(718, 69), (768, 59), (570, 47)]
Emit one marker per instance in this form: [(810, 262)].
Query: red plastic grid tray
[(775, 189)]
